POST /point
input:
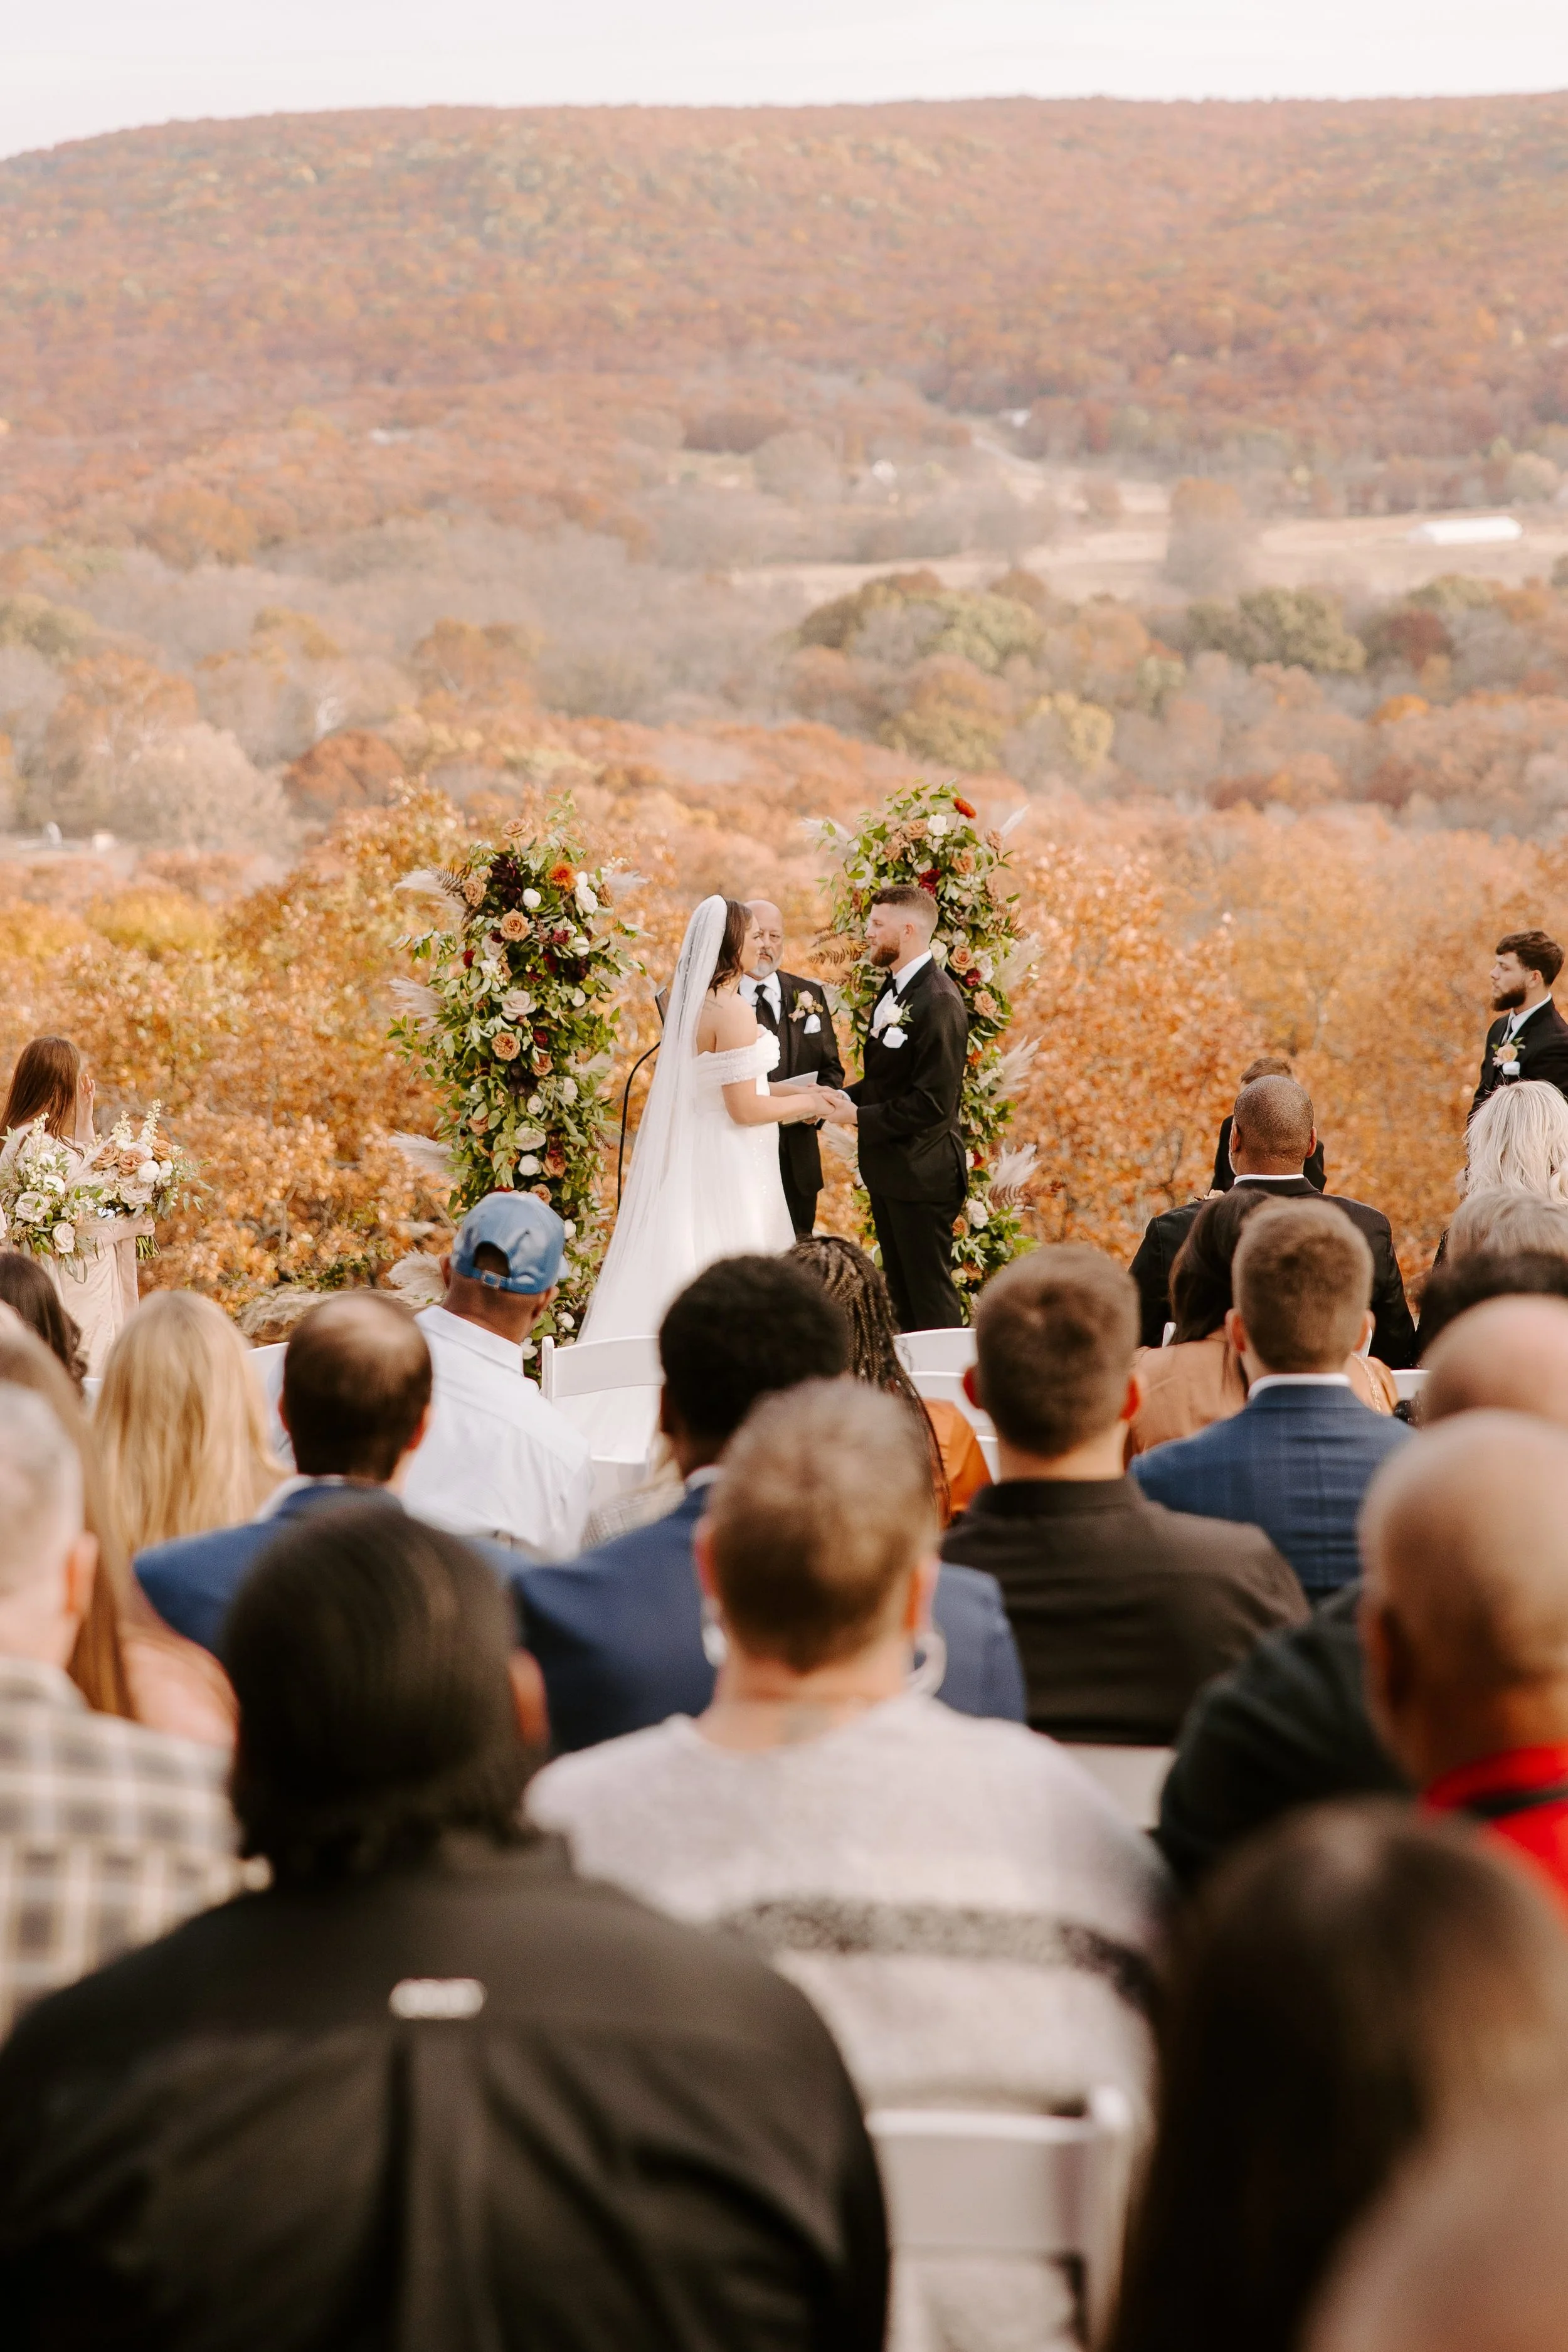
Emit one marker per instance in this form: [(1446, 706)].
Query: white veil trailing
[(656, 1249)]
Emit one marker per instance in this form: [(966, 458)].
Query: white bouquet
[(138, 1172), (50, 1203)]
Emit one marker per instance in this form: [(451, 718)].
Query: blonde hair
[(1520, 1140), (181, 1431), (822, 1503), (1497, 1217)]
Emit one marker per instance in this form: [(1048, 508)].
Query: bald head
[(1508, 1355), (357, 1388), (1272, 1130), (1465, 1609), (769, 944)]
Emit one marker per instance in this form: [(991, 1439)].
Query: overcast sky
[(66, 72)]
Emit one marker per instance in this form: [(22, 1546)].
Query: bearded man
[(907, 1110), (795, 1010), (1530, 1040)]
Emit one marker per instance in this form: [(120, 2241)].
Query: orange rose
[(562, 877)]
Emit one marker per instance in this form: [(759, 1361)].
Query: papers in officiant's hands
[(795, 1086)]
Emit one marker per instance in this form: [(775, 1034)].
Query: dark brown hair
[(1200, 1278), (26, 1289), (43, 1084), (1055, 1333), (1342, 1985), (737, 921), (1302, 1279), (1268, 1065), (860, 1288), (910, 896), (356, 1378), (1535, 951)]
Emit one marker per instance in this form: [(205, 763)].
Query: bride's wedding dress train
[(701, 1187)]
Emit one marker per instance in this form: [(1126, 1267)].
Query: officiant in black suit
[(907, 1110), (1530, 1038), (795, 1010)]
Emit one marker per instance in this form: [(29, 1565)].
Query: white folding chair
[(267, 1371), (936, 1351), (1409, 1385), (1133, 1778), (1049, 2188), (590, 1369)]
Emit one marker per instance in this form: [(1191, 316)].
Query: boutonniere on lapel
[(896, 1027), (1505, 1053), (807, 1008)]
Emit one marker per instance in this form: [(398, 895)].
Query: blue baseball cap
[(528, 1235)]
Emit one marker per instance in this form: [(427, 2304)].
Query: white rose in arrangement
[(526, 1138), (30, 1208), (587, 903), (567, 1322), (528, 1165), (578, 1000), (568, 1090), (536, 1104), (516, 1003), (64, 1239), (979, 1213), (569, 1227), (530, 899), (936, 827)]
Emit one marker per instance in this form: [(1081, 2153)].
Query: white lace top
[(716, 1071)]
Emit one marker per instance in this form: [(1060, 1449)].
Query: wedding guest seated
[(1516, 1143), (180, 1426), (1296, 1460), (1197, 1378), (1268, 1065), (125, 1661), (428, 2089), (618, 1632), (1469, 2252), (1465, 1626), (848, 1275), (1290, 1724), (1121, 1609), (496, 1460), (1500, 1222), (971, 1916), (1272, 1138), (1452, 1289), (109, 1832), (1355, 1983), (356, 1403), (26, 1289)]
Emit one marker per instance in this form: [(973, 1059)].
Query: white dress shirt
[(889, 1007), (752, 989), (496, 1460)]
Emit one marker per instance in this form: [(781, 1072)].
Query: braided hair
[(859, 1288)]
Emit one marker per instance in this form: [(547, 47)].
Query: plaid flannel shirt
[(110, 1834)]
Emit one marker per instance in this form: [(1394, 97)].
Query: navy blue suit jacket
[(192, 1581), (1294, 1461), (619, 1635)]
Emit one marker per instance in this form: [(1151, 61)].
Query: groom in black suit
[(1529, 1039), (906, 1108), (795, 1010)]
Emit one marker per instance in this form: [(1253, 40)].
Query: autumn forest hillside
[(371, 480)]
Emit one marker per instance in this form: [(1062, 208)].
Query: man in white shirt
[(496, 1460)]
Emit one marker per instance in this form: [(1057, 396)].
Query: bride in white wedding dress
[(704, 1180)]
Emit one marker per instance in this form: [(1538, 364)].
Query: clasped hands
[(837, 1108)]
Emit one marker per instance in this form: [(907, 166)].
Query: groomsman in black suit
[(907, 1110), (795, 1010), (1530, 1038)]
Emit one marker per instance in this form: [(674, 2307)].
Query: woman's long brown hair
[(860, 1288), (43, 1084)]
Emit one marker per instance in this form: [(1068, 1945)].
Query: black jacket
[(1542, 1052), (1393, 1331), (1121, 1608), (1287, 1727), (643, 2140), (911, 1142), (802, 1001)]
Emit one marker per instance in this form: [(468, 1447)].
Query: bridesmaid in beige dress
[(51, 1082)]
